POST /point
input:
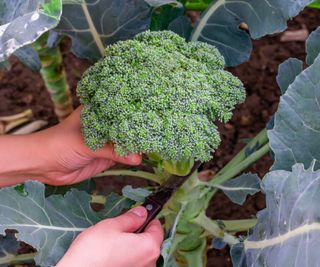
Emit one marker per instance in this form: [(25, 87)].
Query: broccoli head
[(159, 95)]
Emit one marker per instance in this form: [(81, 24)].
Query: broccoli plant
[(159, 95), (32, 32)]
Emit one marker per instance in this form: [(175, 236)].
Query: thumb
[(131, 220), (108, 152)]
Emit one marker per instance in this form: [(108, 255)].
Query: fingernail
[(134, 158), (139, 211)]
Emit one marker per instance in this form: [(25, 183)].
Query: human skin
[(55, 156), (58, 156), (112, 243)]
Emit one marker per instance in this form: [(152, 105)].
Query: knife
[(155, 202)]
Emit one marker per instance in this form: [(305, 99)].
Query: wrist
[(21, 159)]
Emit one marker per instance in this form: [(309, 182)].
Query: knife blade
[(155, 202)]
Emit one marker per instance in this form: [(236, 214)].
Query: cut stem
[(54, 76), (31, 127), (98, 199), (8, 123), (125, 172), (213, 228)]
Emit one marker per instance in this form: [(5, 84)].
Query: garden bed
[(21, 89)]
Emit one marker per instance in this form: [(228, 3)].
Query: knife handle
[(153, 208)]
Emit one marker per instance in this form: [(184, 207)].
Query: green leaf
[(313, 46), (163, 16), (295, 137), (29, 57), (48, 224), (315, 4), (287, 72), (135, 194), (93, 26), (115, 204), (158, 3), (182, 26), (23, 22), (238, 188), (219, 24), (288, 230), (170, 243), (5, 65), (8, 249), (87, 186)]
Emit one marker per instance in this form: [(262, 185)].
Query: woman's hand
[(56, 156), (71, 161), (113, 243)]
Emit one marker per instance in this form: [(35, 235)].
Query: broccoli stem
[(213, 228), (17, 259), (239, 225), (98, 199), (125, 172), (196, 257), (54, 76), (257, 142), (235, 170)]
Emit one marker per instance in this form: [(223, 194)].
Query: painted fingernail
[(139, 211)]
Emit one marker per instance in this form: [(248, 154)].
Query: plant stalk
[(125, 172), (54, 76), (213, 228), (239, 225), (31, 127), (18, 259), (258, 141), (235, 170), (98, 199), (7, 123)]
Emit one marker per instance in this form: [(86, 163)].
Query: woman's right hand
[(113, 243)]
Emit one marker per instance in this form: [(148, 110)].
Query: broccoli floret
[(159, 95)]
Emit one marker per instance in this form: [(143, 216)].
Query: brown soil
[(21, 89)]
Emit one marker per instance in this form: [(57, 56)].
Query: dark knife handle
[(153, 208)]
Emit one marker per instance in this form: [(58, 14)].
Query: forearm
[(20, 159)]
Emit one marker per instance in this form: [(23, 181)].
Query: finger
[(129, 221), (74, 118), (155, 230), (108, 152)]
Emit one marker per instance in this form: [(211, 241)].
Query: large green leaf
[(182, 26), (219, 24), (237, 189), (296, 133), (164, 15), (22, 22), (87, 186), (313, 46), (48, 224), (287, 72), (288, 230), (8, 249), (115, 204), (94, 24), (170, 243), (29, 57), (136, 194)]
